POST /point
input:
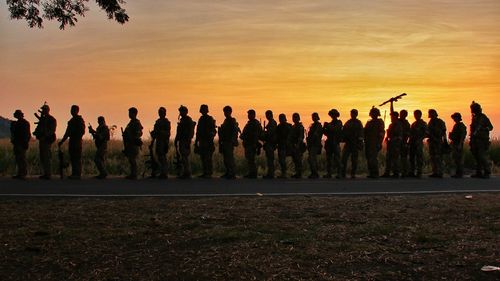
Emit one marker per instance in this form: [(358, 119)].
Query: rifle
[(392, 100)]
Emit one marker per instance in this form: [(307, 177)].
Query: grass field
[(293, 238), (118, 165)]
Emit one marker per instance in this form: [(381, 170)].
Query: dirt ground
[(429, 237)]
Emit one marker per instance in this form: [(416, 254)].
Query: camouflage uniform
[(418, 132), (20, 136), (184, 136), (374, 136), (161, 136), (353, 137), (205, 133), (457, 138), (282, 133), (250, 137), (437, 137), (480, 143), (296, 146), (405, 147), (228, 140), (132, 142), (333, 133), (314, 147), (75, 131), (101, 139), (45, 132), (394, 143), (270, 143)]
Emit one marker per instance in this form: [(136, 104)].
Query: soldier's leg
[(208, 163), (270, 161), (396, 161), (132, 154), (229, 160), (346, 153), (282, 161), (22, 165), (329, 162), (75, 149), (388, 160), (354, 159), (45, 157), (297, 162), (483, 157), (313, 162), (99, 161), (252, 167), (419, 158), (412, 158), (336, 159)]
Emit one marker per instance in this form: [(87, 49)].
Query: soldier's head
[(354, 113), (162, 112), (74, 110), (417, 114), (269, 115), (334, 113), (403, 114), (282, 118), (315, 117), (394, 116), (475, 108), (204, 109), (183, 111), (251, 114), (433, 113), (18, 114), (227, 111), (132, 113), (457, 117), (296, 118), (374, 113), (45, 109), (101, 120)]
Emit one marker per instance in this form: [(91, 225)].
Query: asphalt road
[(241, 187)]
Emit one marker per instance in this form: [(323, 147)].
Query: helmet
[(334, 112), (456, 115), (374, 112), (475, 107), (182, 108)]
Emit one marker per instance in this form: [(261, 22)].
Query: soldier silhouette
[(480, 140), (20, 135), (282, 133), (353, 138), (333, 133), (405, 147), (183, 138), (132, 141), (457, 137), (75, 131), (228, 140), (101, 137), (374, 136), (204, 141), (437, 137), (270, 139), (394, 141), (160, 138), (45, 133), (418, 131), (314, 146), (296, 144), (250, 137)]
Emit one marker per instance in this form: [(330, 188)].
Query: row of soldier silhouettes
[(404, 142)]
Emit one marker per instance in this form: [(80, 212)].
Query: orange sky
[(281, 55)]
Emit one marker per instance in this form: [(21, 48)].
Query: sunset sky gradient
[(286, 56)]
